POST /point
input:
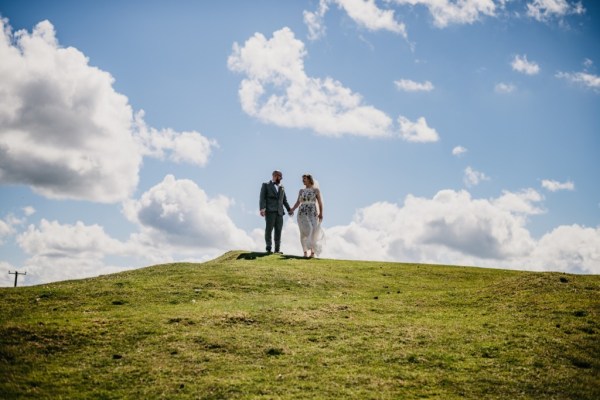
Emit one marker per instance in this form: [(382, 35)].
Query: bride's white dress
[(311, 234)]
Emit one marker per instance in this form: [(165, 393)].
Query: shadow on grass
[(290, 257), (253, 255)]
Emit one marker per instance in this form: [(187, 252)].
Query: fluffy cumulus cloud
[(448, 12), (179, 214), (368, 14), (314, 21), (175, 220), (544, 10), (178, 221), (524, 66), (58, 251), (5, 230), (569, 248), (448, 226), (473, 177), (190, 147), (417, 131), (459, 151), (28, 211), (365, 13), (408, 85), (505, 88), (296, 100), (582, 78), (454, 228), (52, 239), (277, 90), (554, 186), (10, 223), (64, 130)]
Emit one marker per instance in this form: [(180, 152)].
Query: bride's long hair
[(310, 179)]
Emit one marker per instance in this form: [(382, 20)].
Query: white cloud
[(7, 280), (277, 90), (555, 186), (64, 130), (454, 228), (176, 221), (568, 248), (523, 203), (446, 12), (178, 213), (63, 251), (544, 10), (459, 151), (581, 78), (473, 177), (411, 86), (367, 14), (189, 147), (10, 222), (314, 21), (505, 88), (364, 12), (28, 211), (449, 227), (5, 230), (52, 239), (521, 64), (417, 131)]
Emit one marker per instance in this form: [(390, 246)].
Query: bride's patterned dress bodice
[(308, 202)]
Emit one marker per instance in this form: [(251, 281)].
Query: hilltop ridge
[(250, 325)]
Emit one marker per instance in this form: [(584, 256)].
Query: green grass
[(247, 326)]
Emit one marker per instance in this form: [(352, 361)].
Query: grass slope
[(252, 326)]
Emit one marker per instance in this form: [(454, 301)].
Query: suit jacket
[(271, 200)]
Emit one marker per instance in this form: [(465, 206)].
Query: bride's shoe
[(305, 255), (312, 254)]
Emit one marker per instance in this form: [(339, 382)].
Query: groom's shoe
[(277, 251)]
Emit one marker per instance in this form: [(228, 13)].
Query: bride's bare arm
[(318, 193)]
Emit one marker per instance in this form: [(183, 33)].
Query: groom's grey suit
[(273, 202)]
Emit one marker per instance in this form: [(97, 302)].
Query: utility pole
[(16, 274)]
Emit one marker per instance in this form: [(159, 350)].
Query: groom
[(272, 201)]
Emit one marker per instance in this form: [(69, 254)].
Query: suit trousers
[(273, 221)]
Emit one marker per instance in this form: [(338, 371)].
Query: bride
[(310, 215)]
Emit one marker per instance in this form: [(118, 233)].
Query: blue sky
[(139, 132)]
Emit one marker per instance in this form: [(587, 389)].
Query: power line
[(16, 274)]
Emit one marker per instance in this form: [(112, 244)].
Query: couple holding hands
[(310, 213)]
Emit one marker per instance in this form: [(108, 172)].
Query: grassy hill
[(252, 326)]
